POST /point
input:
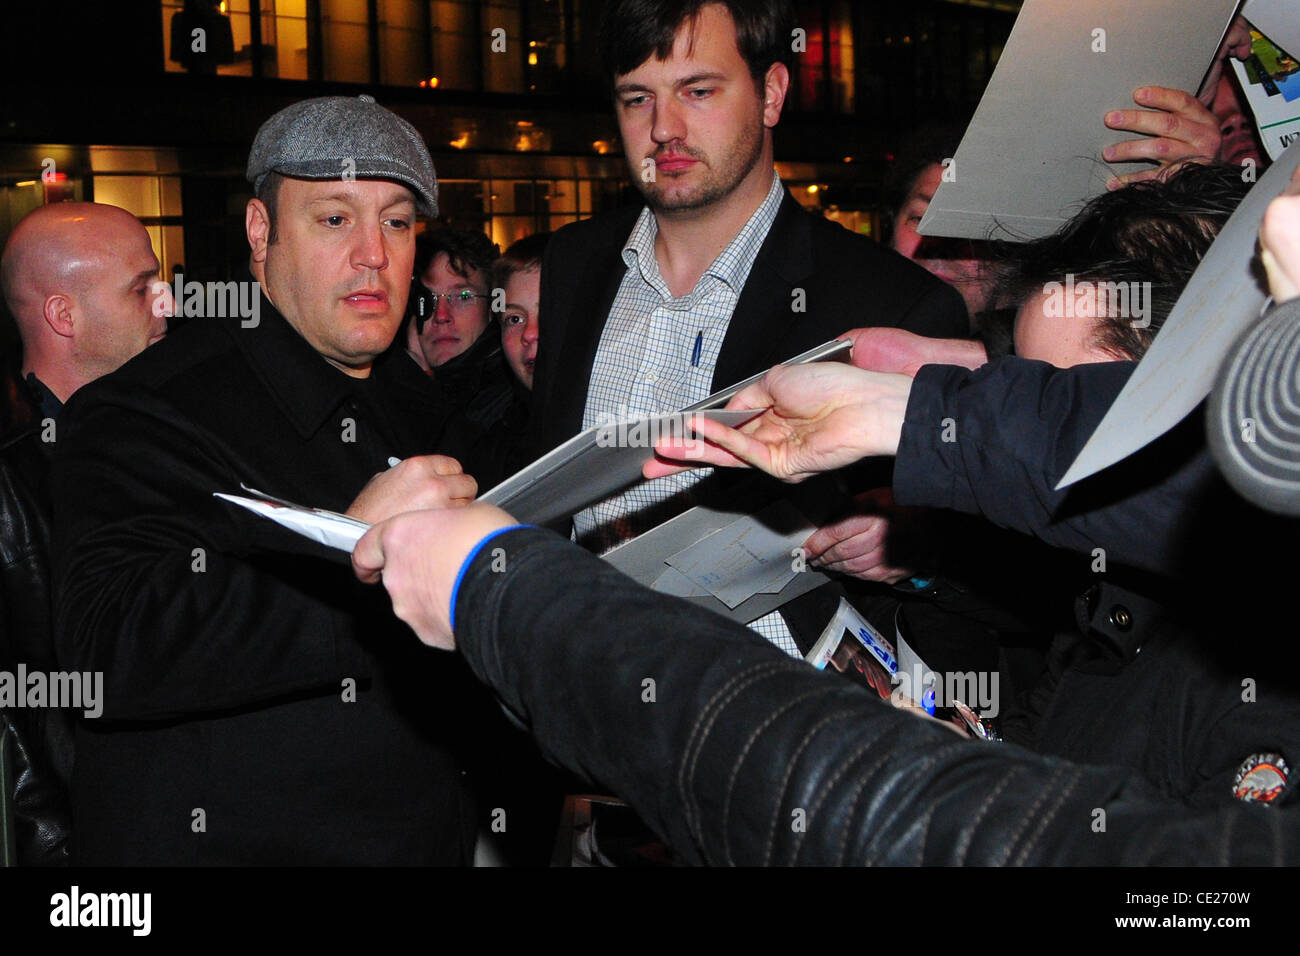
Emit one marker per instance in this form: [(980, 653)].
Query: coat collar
[(766, 306), (306, 388)]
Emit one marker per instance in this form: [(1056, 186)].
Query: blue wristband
[(460, 575)]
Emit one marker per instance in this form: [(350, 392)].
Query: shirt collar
[(734, 262), (307, 388), (46, 400)]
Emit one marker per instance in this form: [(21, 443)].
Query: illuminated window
[(345, 41), (503, 63), (145, 184), (824, 72), (403, 59), (208, 36), (547, 52), (457, 44)]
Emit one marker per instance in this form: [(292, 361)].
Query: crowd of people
[(264, 702)]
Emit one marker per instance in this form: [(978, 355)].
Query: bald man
[(79, 281)]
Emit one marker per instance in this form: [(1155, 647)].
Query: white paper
[(643, 558), (752, 555), (606, 459), (1221, 301), (1032, 154), (1277, 120), (593, 465), (326, 527)]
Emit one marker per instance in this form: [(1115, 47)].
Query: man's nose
[(442, 313), (369, 251), (1234, 122), (669, 124)]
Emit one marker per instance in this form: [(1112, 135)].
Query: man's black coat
[(260, 706)]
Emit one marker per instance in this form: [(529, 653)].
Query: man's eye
[(399, 223), (513, 318), (632, 101), (333, 220), (701, 92), (465, 296)]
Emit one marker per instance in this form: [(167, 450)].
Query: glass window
[(841, 57), (503, 57), (169, 246), (345, 41), (462, 203), (510, 229), (456, 44), (810, 64), (402, 53), (143, 196), (546, 48), (207, 36), (284, 39)]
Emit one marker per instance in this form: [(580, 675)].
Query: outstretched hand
[(817, 418)]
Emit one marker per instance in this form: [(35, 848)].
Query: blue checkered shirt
[(644, 366)]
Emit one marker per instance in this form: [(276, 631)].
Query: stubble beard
[(718, 185)]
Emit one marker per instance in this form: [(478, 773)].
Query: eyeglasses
[(425, 303), (455, 300)]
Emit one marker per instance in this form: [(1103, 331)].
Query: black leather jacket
[(736, 754), (43, 736)]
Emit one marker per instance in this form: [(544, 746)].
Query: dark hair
[(1153, 232), (926, 146), (521, 256), (269, 194), (466, 250), (631, 31)]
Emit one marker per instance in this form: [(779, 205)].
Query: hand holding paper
[(818, 418), (428, 481), (882, 349), (1178, 126), (858, 545)]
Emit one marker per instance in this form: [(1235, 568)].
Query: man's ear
[(257, 225), (775, 86), (57, 313)]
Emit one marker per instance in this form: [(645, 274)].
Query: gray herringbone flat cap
[(333, 137)]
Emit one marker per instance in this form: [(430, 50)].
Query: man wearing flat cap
[(259, 706)]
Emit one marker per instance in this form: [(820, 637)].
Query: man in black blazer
[(722, 274)]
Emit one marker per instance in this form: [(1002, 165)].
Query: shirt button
[(651, 377)]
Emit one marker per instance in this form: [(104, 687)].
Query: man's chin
[(683, 200)]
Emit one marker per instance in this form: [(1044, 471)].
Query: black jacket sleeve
[(995, 441), (169, 592), (736, 754)]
